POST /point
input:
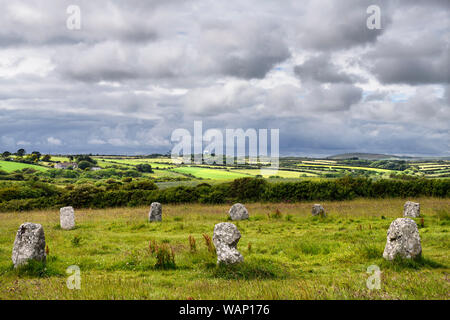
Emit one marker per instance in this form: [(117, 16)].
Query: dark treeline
[(39, 195)]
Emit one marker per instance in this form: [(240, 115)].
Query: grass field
[(206, 173), (287, 256), (330, 166), (60, 159), (10, 166), (133, 162), (157, 173), (290, 168), (279, 173)]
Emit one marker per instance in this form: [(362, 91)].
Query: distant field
[(131, 159), (206, 173), (343, 167), (279, 173), (327, 162), (60, 159), (133, 162), (434, 170), (287, 256), (10, 166), (157, 173), (433, 166), (290, 168)]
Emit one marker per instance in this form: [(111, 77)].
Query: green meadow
[(132, 162), (279, 173), (10, 166), (207, 173), (288, 254), (329, 166)]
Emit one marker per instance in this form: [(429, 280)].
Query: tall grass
[(302, 257)]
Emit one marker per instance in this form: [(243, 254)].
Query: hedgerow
[(39, 195)]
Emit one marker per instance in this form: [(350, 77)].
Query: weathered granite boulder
[(155, 213), (29, 244), (411, 209), (317, 209), (67, 218), (226, 237), (403, 240), (238, 212)]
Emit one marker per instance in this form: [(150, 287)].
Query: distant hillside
[(367, 156)]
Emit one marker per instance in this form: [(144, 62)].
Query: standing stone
[(238, 212), (226, 237), (403, 240), (67, 218), (411, 209), (29, 244), (155, 212), (317, 209)]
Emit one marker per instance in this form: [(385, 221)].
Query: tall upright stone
[(29, 244), (238, 212), (318, 210), (226, 237), (155, 213), (67, 218), (403, 240), (411, 209)]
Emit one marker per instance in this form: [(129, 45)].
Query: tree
[(46, 158), (33, 157), (21, 152), (37, 155), (6, 154), (84, 164), (87, 158), (144, 168)]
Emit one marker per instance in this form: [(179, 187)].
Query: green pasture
[(288, 254), (10, 166)]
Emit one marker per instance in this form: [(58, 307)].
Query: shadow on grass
[(399, 264), (256, 269), (35, 269)]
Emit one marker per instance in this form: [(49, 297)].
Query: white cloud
[(139, 69), (54, 141), (23, 143)]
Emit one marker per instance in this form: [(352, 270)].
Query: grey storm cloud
[(251, 48), (322, 69), (421, 57), (416, 63), (137, 70), (44, 23), (338, 25)]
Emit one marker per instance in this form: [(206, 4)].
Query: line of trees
[(37, 195), (20, 154)]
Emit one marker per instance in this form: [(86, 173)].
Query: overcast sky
[(137, 70)]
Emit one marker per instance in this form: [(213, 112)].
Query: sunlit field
[(10, 166), (288, 254)]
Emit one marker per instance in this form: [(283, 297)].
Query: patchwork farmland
[(283, 251), (288, 254)]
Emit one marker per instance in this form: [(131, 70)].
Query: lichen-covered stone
[(403, 240), (29, 244), (411, 209), (67, 218), (155, 213), (238, 212), (226, 237), (317, 209)]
